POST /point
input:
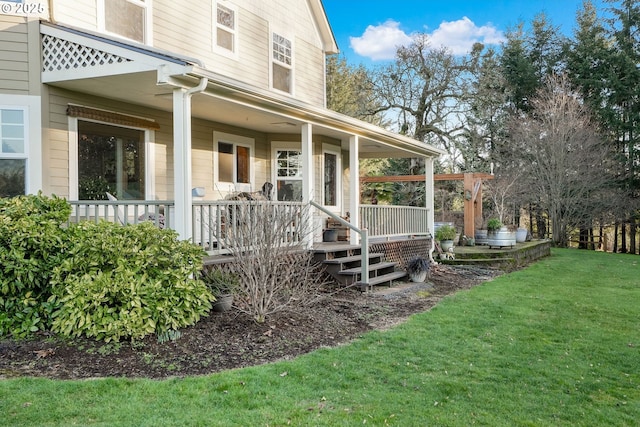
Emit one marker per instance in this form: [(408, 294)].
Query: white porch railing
[(216, 224), (394, 221), (222, 225), (123, 211)]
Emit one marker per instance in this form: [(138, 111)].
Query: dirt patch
[(229, 340)]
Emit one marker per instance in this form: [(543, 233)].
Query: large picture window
[(127, 18), (110, 159), (13, 152)]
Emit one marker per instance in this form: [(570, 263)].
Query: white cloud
[(381, 42), (459, 36)]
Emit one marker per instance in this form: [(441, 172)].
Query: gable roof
[(326, 33)]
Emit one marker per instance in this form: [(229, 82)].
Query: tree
[(424, 88), (587, 59), (528, 57), (350, 91), (624, 104), (587, 67), (485, 122), (567, 164)]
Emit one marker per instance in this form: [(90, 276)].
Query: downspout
[(52, 18), (200, 88)]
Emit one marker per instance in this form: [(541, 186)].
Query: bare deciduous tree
[(425, 88), (568, 166)]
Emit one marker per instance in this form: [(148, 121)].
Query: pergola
[(472, 191)]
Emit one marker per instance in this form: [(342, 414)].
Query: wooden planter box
[(343, 231)]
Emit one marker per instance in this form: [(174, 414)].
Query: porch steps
[(344, 264)]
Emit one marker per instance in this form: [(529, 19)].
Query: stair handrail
[(364, 240)]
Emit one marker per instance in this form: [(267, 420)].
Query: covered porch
[(186, 111)]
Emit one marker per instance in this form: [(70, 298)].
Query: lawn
[(555, 344)]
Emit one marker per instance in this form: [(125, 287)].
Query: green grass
[(555, 344)]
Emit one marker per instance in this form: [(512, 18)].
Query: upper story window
[(226, 28), (127, 18), (281, 63)]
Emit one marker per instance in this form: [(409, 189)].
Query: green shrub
[(32, 243), (445, 232), (127, 282), (494, 224), (220, 282)]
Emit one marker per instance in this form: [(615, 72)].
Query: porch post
[(354, 186), (429, 199), (469, 208), (307, 175), (182, 163)]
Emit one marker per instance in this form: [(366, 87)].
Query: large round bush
[(32, 243), (127, 282)]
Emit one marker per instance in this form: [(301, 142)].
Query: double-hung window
[(226, 25), (126, 18), (288, 174), (281, 63), (13, 151)]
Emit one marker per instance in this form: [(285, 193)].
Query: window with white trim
[(110, 159), (281, 63), (126, 18), (288, 174), (13, 151), (331, 181), (232, 159), (226, 28)]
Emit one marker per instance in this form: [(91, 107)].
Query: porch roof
[(137, 74)]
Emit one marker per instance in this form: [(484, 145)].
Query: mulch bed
[(229, 340)]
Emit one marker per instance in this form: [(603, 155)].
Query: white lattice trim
[(59, 54)]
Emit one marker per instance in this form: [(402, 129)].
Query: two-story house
[(168, 100)]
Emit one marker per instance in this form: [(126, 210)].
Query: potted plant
[(445, 235), (493, 225), (223, 285), (499, 235), (418, 268)]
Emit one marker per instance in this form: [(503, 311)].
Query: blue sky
[(368, 31)]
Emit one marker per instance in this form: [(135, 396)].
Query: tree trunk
[(601, 244), (583, 240)]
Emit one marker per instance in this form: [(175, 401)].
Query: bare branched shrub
[(567, 165), (276, 272)]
